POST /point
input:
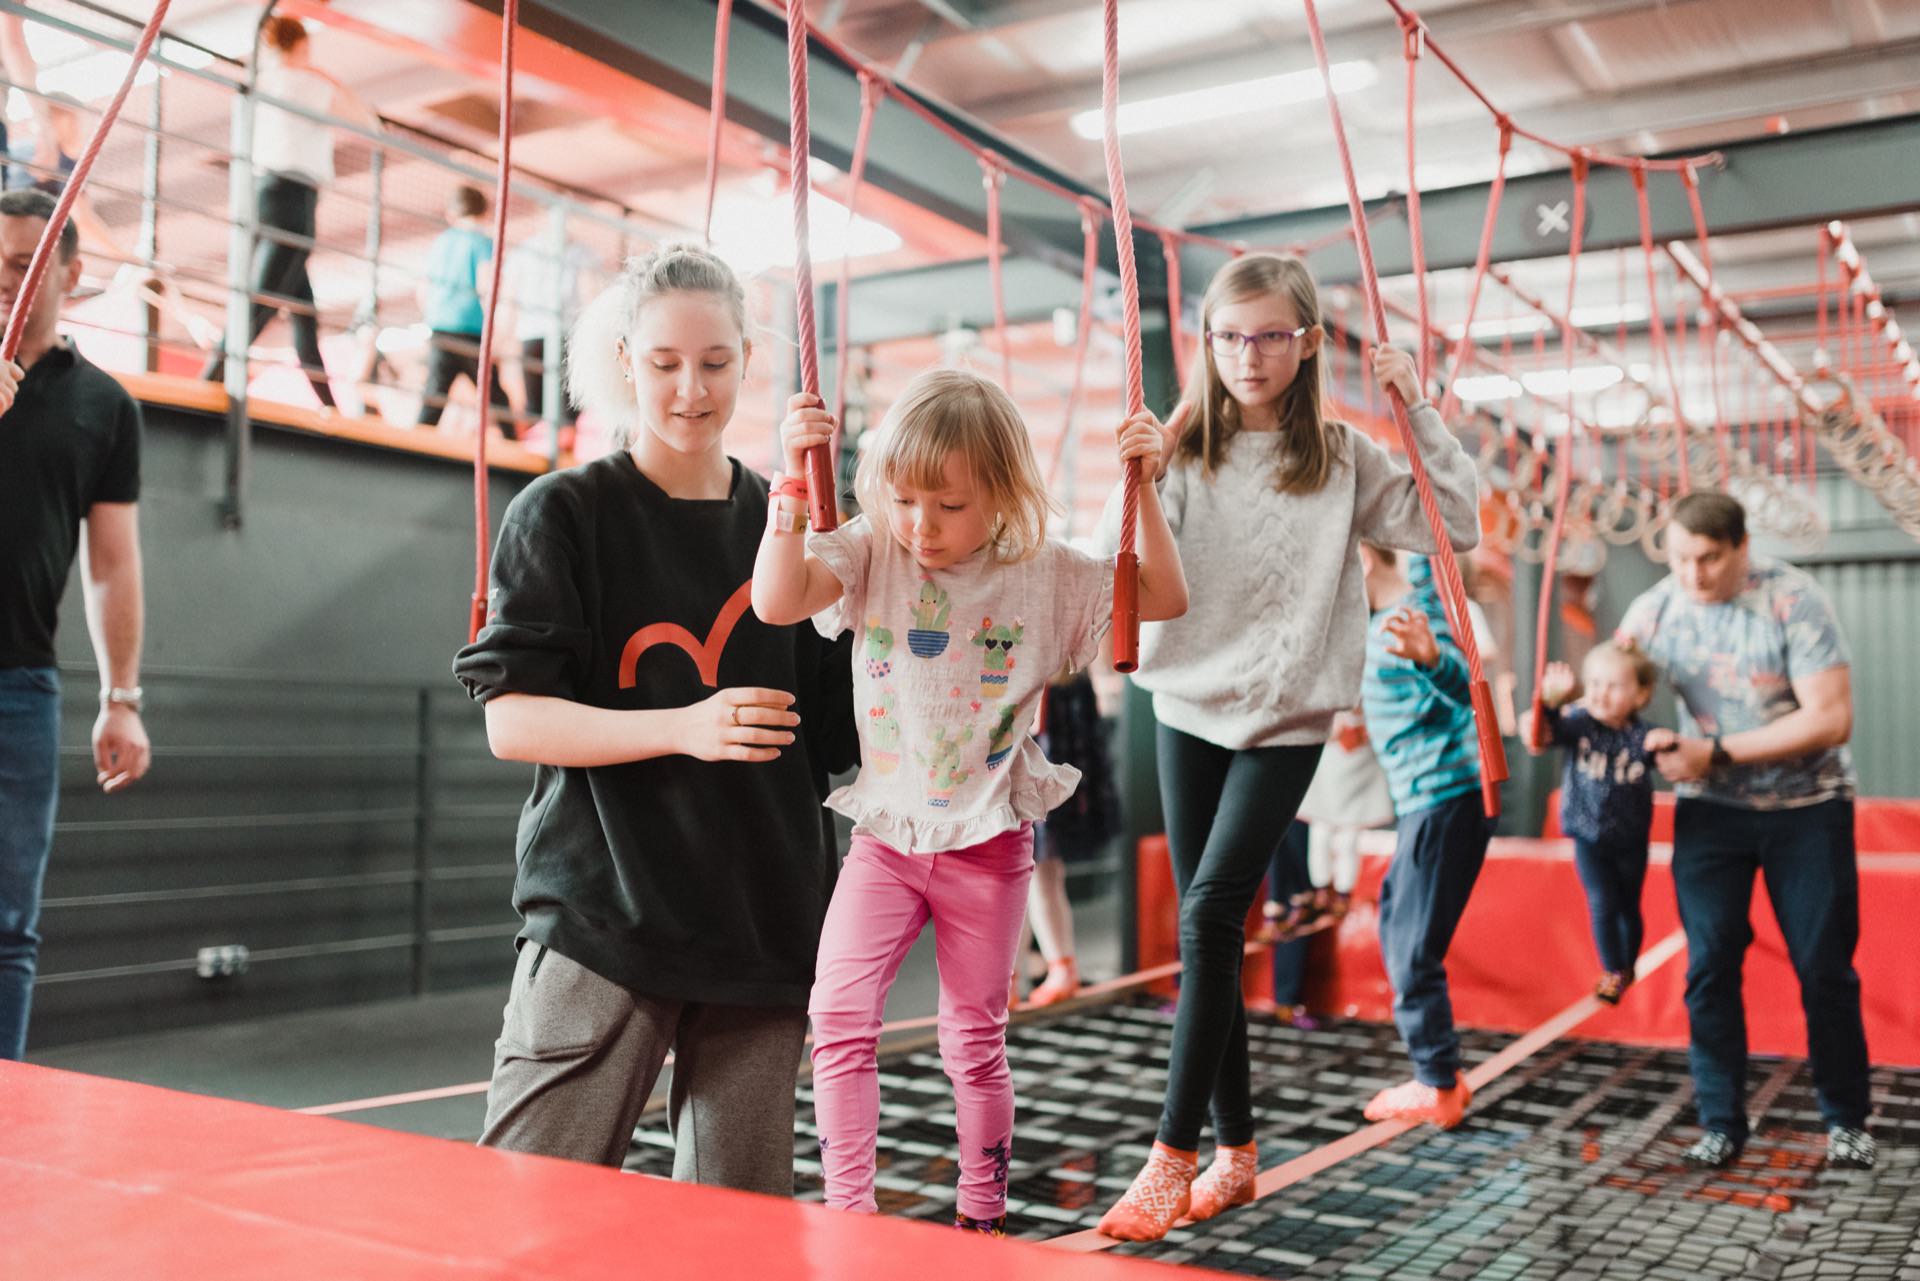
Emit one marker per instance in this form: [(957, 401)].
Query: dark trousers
[(1806, 856), (1435, 862), (1613, 873), (449, 355), (1225, 812), (280, 272), (533, 364), (1287, 876), (29, 791)]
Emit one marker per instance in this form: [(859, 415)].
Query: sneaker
[(986, 1227), (1295, 1016), (1416, 1101), (1611, 985), (1850, 1149), (1062, 981), (1712, 1151)]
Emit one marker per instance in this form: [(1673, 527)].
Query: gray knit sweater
[(1274, 640)]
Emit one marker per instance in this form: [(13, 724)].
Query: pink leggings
[(975, 898)]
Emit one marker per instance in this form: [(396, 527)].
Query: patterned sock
[(1159, 1196), (1225, 1183)]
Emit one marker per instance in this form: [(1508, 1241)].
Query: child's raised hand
[(1557, 685), (1412, 636), (807, 424), (1145, 437), (739, 724), (1395, 371)]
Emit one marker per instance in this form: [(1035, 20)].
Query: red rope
[(1411, 32), (1493, 761), (1822, 357), (870, 95), (716, 110), (1126, 572), (1565, 468), (477, 618), (821, 508), (1451, 400), (1090, 223), (1710, 327), (1656, 326), (1170, 250), (993, 175), (43, 253)]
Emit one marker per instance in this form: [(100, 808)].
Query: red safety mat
[(1881, 825), (104, 1179)]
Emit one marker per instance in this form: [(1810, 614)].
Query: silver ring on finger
[(735, 714)]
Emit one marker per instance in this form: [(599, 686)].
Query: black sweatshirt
[(674, 877)]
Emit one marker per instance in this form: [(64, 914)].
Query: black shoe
[(1713, 1151), (1850, 1149), (986, 1227)]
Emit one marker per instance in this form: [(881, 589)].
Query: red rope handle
[(1564, 469), (821, 508), (1090, 220), (1493, 757), (716, 111), (477, 617), (871, 91), (43, 252), (1126, 571), (1450, 402), (993, 176)]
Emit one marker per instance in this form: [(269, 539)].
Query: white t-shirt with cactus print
[(948, 669)]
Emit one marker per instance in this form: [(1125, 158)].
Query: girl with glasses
[(1268, 500)]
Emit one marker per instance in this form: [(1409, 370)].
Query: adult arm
[(1823, 719), (115, 617)]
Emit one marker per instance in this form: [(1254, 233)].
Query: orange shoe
[(1413, 1101), (1225, 1183), (1062, 981), (1159, 1197)]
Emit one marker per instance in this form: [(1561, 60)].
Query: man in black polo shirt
[(69, 453)]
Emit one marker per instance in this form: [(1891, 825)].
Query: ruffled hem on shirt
[(1030, 801)]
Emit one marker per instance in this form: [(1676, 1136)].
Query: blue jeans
[(1436, 860), (1613, 873), (29, 786), (1287, 876), (1806, 856)]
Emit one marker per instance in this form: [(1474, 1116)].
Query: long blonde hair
[(595, 380), (951, 411), (1312, 445)]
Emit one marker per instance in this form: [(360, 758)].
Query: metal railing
[(155, 186)]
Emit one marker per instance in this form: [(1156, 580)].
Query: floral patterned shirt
[(1733, 665), (948, 669)]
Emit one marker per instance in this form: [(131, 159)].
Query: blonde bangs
[(944, 412)]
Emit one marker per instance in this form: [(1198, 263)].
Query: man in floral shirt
[(1765, 783)]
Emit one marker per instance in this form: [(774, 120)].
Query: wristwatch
[(1720, 757), (127, 698)]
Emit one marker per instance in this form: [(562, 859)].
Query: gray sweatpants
[(578, 1056)]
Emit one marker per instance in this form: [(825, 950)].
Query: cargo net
[(1566, 1167)]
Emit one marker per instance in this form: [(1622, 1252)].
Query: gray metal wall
[(321, 793)]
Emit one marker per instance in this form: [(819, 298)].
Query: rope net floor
[(1568, 1167)]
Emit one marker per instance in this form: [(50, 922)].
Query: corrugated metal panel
[(1878, 604)]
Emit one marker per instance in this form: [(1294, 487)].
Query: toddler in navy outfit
[(1606, 796)]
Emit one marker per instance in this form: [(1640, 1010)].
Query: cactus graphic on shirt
[(1000, 741), (927, 638), (942, 763), (883, 735), (996, 660), (879, 649)]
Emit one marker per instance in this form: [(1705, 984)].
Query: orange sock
[(1225, 1183), (1159, 1196)]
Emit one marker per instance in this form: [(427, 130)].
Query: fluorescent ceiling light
[(745, 235), (1532, 322), (1483, 388), (1196, 105), (1585, 378)]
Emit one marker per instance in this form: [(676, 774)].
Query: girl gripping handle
[(673, 864), (1268, 500), (963, 609)]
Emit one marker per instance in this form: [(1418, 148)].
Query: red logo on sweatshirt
[(704, 653)]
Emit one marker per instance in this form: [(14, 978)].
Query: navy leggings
[(1613, 873)]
